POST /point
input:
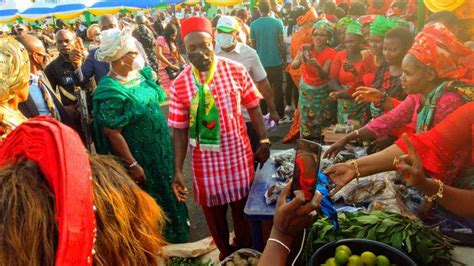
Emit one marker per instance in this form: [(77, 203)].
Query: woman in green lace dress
[(130, 124)]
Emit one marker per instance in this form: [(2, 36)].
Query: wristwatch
[(265, 141)]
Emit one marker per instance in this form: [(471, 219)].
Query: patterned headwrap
[(354, 28), (400, 22), (345, 21), (325, 25), (367, 19), (14, 68), (438, 48), (114, 44), (381, 25), (64, 163)]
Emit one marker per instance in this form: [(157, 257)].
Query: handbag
[(172, 74)]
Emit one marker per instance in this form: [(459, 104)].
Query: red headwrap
[(367, 19), (195, 24), (63, 160), (438, 48)]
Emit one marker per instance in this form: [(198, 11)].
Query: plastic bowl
[(358, 246)]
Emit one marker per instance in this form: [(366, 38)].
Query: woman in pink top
[(431, 71), (168, 55)]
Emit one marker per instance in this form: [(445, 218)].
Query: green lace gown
[(135, 108)]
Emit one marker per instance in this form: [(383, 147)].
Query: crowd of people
[(405, 90)]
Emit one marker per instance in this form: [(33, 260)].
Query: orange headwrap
[(63, 160), (310, 16), (438, 48)]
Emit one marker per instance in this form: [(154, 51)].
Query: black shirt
[(60, 74)]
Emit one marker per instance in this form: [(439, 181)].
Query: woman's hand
[(313, 62), (138, 175), (410, 165), (179, 188), (335, 148), (367, 95), (349, 67), (174, 67), (340, 174), (292, 217)]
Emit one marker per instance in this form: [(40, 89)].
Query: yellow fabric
[(192, 2), (465, 11), (104, 11), (9, 20), (33, 18), (224, 2), (438, 5), (68, 16)]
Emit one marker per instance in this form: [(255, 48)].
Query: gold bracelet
[(439, 194), (356, 167), (358, 135)]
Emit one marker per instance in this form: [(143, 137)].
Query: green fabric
[(345, 21), (381, 25), (426, 115), (204, 125), (400, 22), (325, 25), (354, 27), (317, 109), (348, 109), (264, 32), (136, 110)]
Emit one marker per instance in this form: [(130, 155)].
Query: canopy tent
[(224, 2), (68, 11), (112, 7), (36, 13), (8, 15)]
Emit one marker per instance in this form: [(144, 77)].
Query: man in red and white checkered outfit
[(220, 178)]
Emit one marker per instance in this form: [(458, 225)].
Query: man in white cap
[(228, 46)]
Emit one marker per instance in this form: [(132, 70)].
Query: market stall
[(377, 207)]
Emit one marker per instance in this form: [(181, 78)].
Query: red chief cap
[(195, 24)]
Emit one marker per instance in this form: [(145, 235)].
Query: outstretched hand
[(340, 174), (410, 165), (367, 95)]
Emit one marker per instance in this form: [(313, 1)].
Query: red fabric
[(195, 24), (310, 73), (366, 75), (438, 48), (58, 151), (367, 19), (225, 176), (338, 73), (438, 146)]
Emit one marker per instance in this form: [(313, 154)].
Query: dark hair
[(264, 7), (329, 8), (357, 9), (215, 20), (241, 13), (344, 6), (448, 18), (403, 35), (340, 13), (169, 30)]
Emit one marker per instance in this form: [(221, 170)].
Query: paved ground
[(199, 228)]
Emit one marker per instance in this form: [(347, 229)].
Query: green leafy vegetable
[(425, 245)]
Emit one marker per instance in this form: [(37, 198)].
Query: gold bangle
[(356, 167), (358, 135), (439, 194)]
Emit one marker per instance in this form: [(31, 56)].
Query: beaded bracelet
[(356, 167), (439, 194)]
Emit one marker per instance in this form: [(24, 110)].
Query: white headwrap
[(114, 44)]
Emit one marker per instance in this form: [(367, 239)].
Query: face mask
[(138, 63), (200, 60), (224, 40)]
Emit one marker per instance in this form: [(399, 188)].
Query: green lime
[(330, 262), (382, 261), (342, 257), (355, 260), (368, 258), (346, 248)]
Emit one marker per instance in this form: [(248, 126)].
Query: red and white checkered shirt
[(224, 176)]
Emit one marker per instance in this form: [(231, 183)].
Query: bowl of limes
[(359, 252)]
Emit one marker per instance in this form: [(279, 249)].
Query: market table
[(257, 211)]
